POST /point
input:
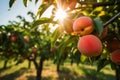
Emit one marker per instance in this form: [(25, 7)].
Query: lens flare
[(60, 14)]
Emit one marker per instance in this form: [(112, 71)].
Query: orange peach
[(66, 4), (68, 26), (83, 25)]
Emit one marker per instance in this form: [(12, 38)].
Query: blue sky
[(17, 9)]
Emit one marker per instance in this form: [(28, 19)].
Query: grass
[(68, 72)]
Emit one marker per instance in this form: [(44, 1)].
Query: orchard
[(77, 31)]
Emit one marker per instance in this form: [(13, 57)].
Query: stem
[(111, 20)]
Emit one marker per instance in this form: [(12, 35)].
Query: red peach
[(90, 45), (114, 44), (54, 48), (104, 33), (12, 38), (34, 50), (26, 38), (83, 25), (115, 56)]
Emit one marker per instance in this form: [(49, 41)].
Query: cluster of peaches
[(89, 43), (14, 38)]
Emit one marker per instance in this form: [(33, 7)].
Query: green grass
[(68, 72)]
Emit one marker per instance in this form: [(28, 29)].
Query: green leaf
[(25, 3), (98, 25), (42, 9), (11, 2), (42, 21), (65, 43), (55, 35)]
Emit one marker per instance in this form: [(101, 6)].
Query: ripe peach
[(66, 4), (12, 38), (114, 44), (70, 4), (26, 38), (83, 25), (68, 26), (90, 45), (54, 48), (115, 56), (104, 33), (34, 50)]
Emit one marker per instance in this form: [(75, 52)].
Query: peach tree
[(86, 30)]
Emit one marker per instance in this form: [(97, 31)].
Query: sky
[(7, 14)]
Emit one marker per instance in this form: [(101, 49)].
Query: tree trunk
[(5, 64), (58, 67), (39, 69), (29, 64), (117, 73)]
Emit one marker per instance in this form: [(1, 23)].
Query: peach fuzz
[(90, 45), (83, 25)]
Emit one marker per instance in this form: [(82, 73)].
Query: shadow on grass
[(92, 74), (14, 75), (31, 77), (4, 69)]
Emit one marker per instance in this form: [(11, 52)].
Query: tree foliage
[(58, 44)]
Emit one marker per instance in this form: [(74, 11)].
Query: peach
[(54, 48), (67, 4), (104, 33), (83, 25), (114, 44), (12, 38), (26, 38), (115, 56), (71, 4), (34, 50), (90, 45), (68, 26)]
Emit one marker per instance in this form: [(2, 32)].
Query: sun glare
[(60, 14)]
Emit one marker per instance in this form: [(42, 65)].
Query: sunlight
[(60, 14)]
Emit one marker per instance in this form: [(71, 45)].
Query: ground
[(68, 72)]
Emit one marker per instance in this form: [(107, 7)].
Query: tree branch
[(111, 20), (96, 4)]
